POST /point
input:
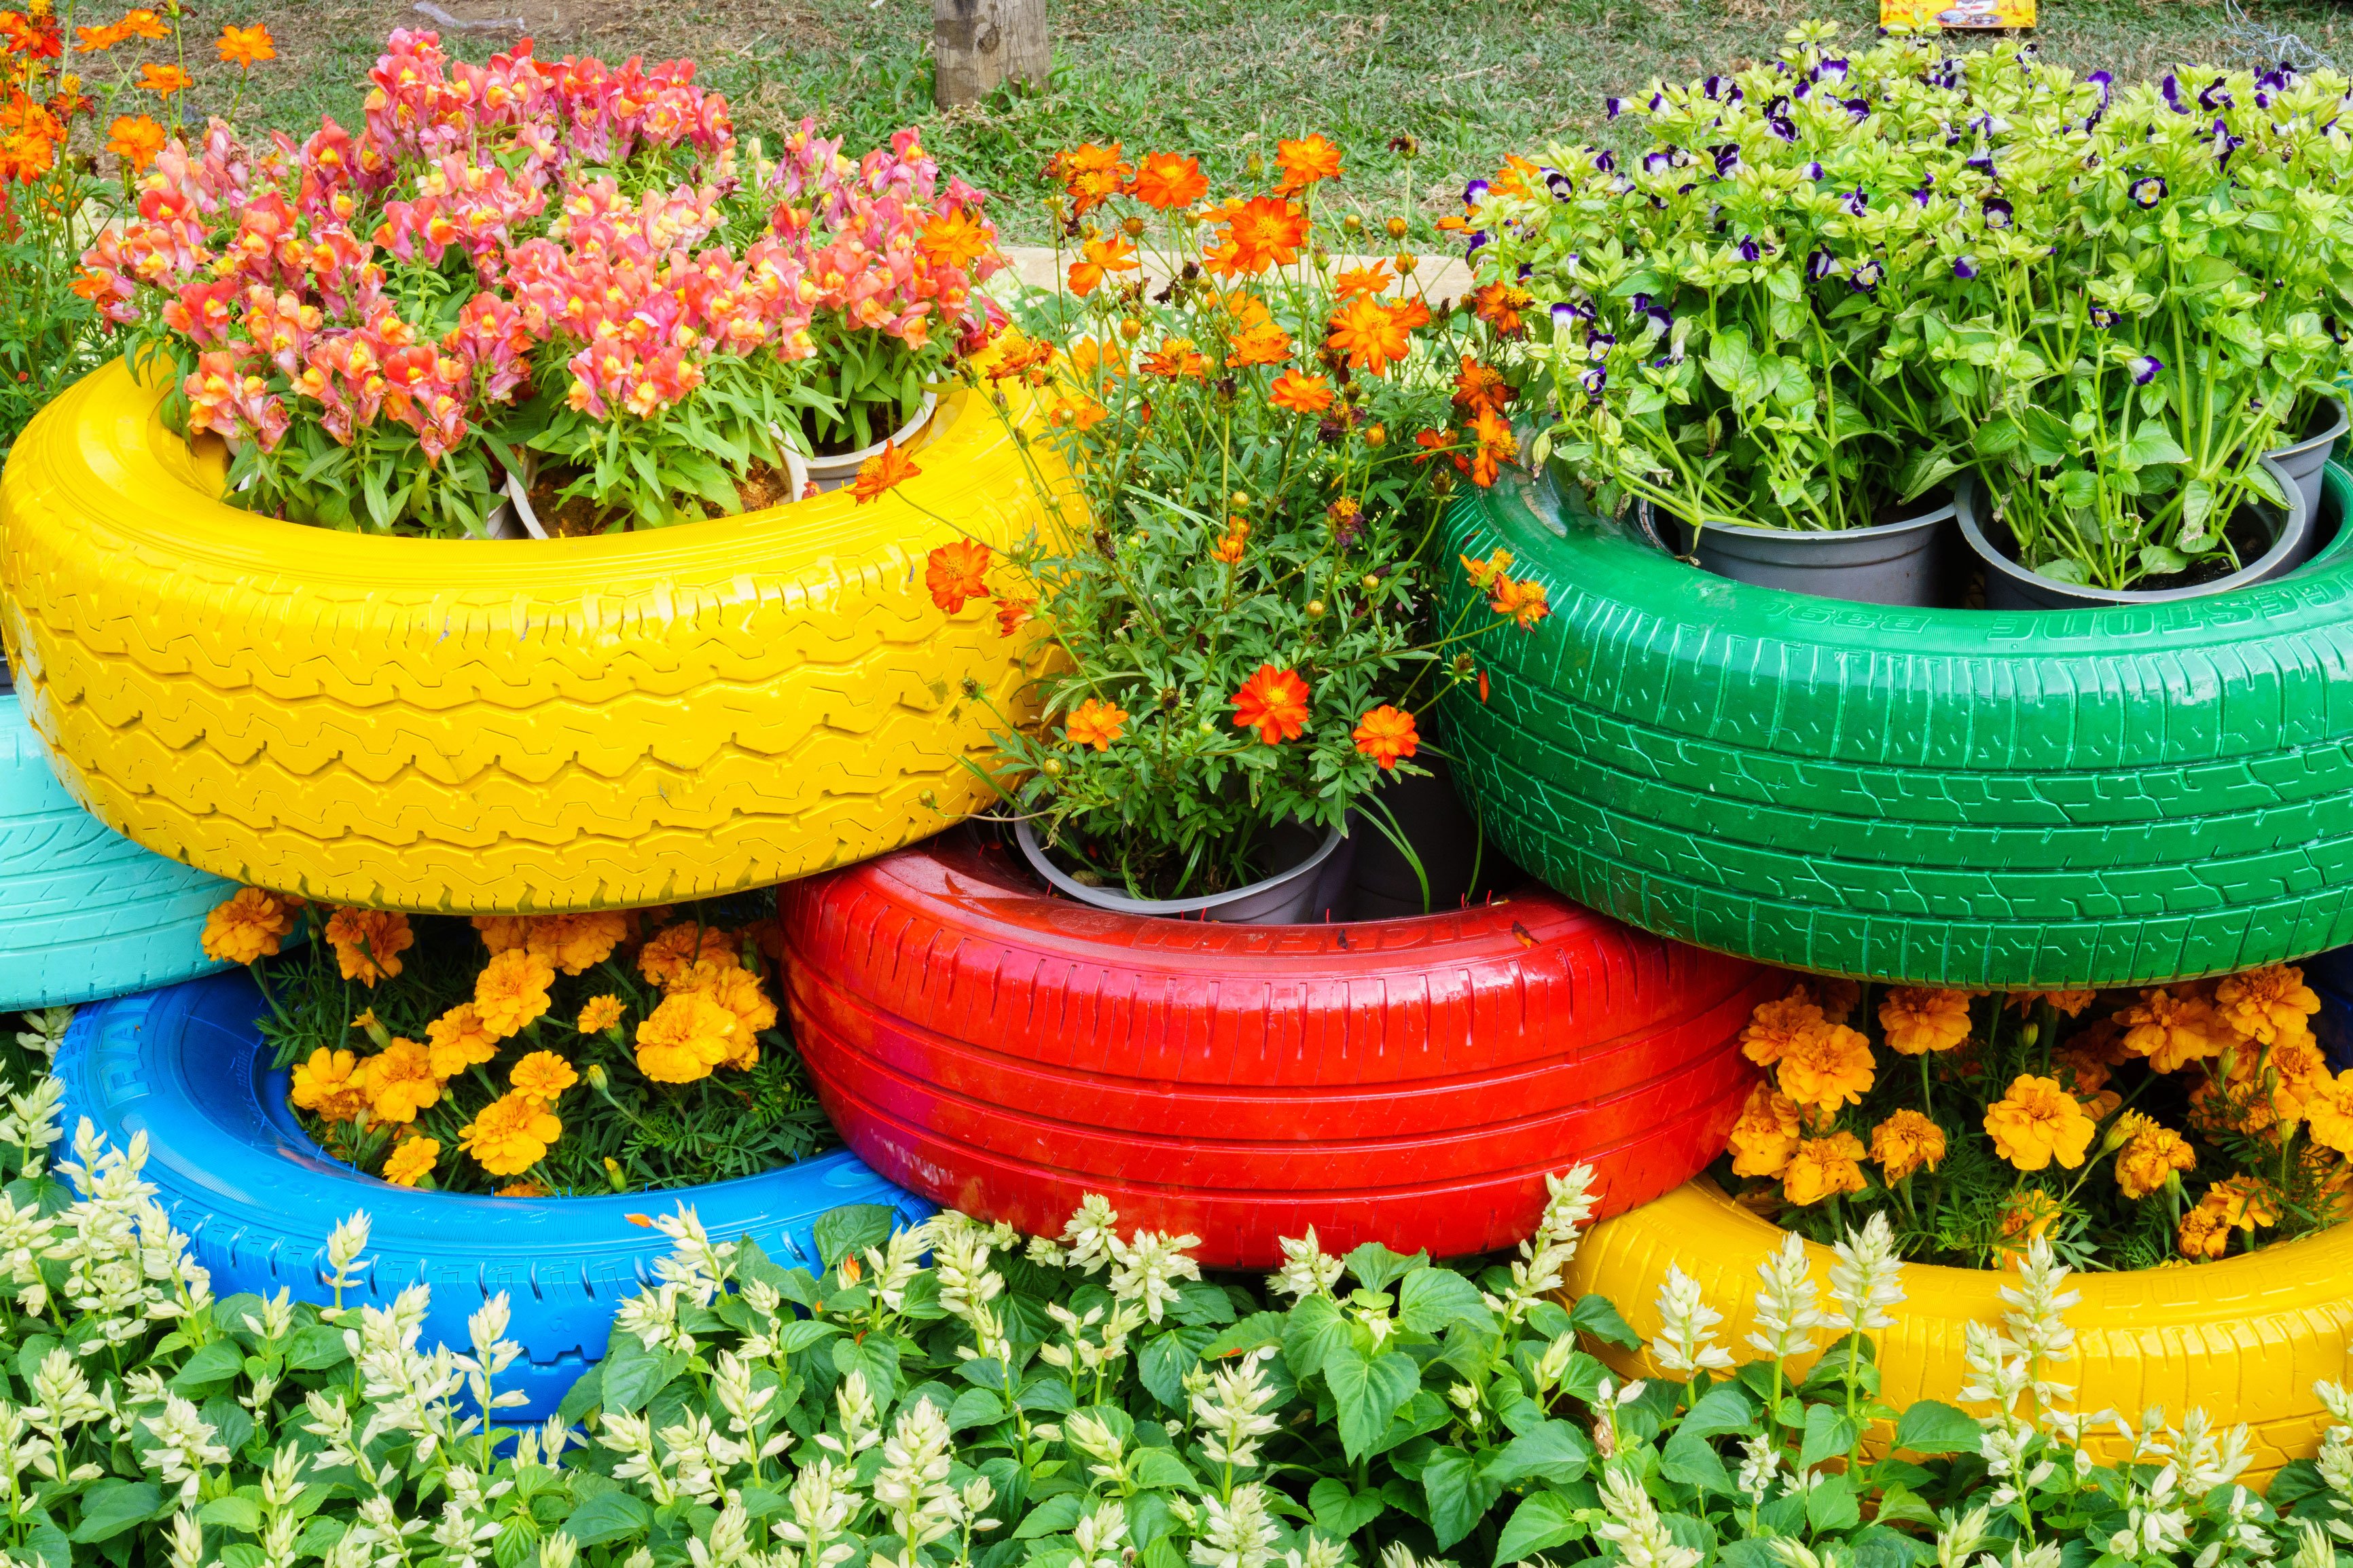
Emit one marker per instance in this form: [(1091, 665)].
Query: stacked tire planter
[(2007, 801), (1410, 1081), (186, 1067), (479, 727)]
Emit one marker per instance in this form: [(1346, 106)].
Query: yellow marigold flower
[(2328, 1111), (2070, 1004), (739, 991), (503, 933), (368, 943), (2150, 1156), (1765, 1135), (511, 990), (511, 1134), (2087, 1071), (411, 1163), (2203, 1234), (2268, 1004), (250, 927), (1921, 1018), (400, 1082), (2246, 1201), (684, 1039), (1773, 1024), (600, 1015), (2171, 1031), (327, 1086), (1822, 1167), (542, 1075), (1906, 1142), (523, 1190), (1827, 1066), (459, 1040), (2036, 1122), (668, 956), (2026, 1217), (575, 943)]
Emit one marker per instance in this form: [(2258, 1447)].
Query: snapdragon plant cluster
[(952, 1396), (1828, 285)]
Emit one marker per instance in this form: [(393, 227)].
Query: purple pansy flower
[(2103, 317), (1997, 213), (1593, 380), (2171, 88), (1821, 264), (1864, 276), (2143, 368), (2148, 191), (2214, 96), (1616, 106), (1855, 201), (1964, 267), (1749, 249), (1727, 159), (1813, 171)]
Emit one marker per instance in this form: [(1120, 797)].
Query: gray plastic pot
[(2010, 586), (1891, 564), (1314, 884), (2302, 460)]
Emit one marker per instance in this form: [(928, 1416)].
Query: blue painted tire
[(257, 1197), (84, 912)]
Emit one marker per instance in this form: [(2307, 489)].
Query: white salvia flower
[(1396, 1556), (913, 1487), (1791, 1553), (1544, 1255), (1866, 1278), (2313, 1547), (632, 1437), (696, 1456), (2337, 1399), (558, 1551), (344, 1244), (960, 1259), (1760, 1463), (187, 1540), (653, 1317), (695, 1265), (728, 1542), (1145, 1270), (1096, 1440), (1099, 1535), (1785, 1311), (1630, 1522), (2336, 1462), (822, 1501), (1685, 1342), (1307, 1269), (1958, 1536), (895, 1264), (1322, 1553), (861, 1428), (1046, 1253), (2037, 1321), (1232, 1412), (2044, 1554), (2207, 1461), (1996, 1377), (2152, 1529), (1237, 1533), (1091, 1234), (184, 1448)]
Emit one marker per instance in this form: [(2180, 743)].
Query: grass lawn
[(1469, 78)]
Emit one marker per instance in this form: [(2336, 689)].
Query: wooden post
[(978, 46)]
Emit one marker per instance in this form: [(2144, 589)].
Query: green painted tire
[(1947, 798)]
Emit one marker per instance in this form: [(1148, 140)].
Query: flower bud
[(1353, 224), (1405, 263), (1372, 584), (1397, 227), (1053, 768), (1314, 609), (1376, 435), (2028, 1035), (1133, 228), (1131, 328)]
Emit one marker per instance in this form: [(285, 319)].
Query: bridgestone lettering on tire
[(2094, 798), (1408, 1081), (476, 726)]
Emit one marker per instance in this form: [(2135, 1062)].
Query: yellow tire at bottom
[(504, 726), (2245, 1338)]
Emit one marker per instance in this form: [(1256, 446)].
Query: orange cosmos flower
[(1274, 703), (246, 47), (1385, 734), (953, 573), (1300, 393), (1175, 356), (956, 239), (1374, 333), (1498, 305), (1304, 162), (142, 22), (1261, 343), (136, 138), (1263, 232), (882, 471), (1113, 253), (1013, 613), (1526, 601), (1164, 180), (1479, 386), (96, 40), (164, 81), (1091, 174), (1364, 280), (1096, 724)]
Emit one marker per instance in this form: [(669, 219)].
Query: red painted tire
[(1410, 1081)]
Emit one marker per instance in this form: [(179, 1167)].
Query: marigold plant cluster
[(528, 1056), (571, 260), (1261, 430), (2173, 1124)]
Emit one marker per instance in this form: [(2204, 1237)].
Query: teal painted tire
[(2105, 796), (84, 912)]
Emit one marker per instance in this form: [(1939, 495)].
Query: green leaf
[(975, 1407), (1542, 1521), (49, 1544), (1555, 1451), (610, 1516), (875, 1356), (1164, 1361), (1433, 1299), (634, 1374), (1375, 1265), (1316, 1327), (586, 1394), (1258, 1329), (233, 1512), (1827, 1432), (1340, 1512), (2048, 441), (1690, 1459), (2260, 481), (214, 1366), (1724, 1408), (2160, 559), (2196, 506), (315, 1348), (1199, 1302), (1368, 1391), (851, 1229), (1930, 1426), (1997, 436), (1832, 1505), (111, 1507), (1052, 1516), (1899, 1504), (1161, 1468), (803, 1333), (2150, 445), (1459, 1495), (1594, 1315)]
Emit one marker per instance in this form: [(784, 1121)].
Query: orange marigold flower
[(2026, 1217), (1263, 232), (1304, 162), (1101, 258), (164, 81), (1300, 393), (2150, 1156), (882, 471), (1525, 600), (2173, 1031), (667, 958), (953, 573), (329, 1086), (1827, 1066), (136, 138), (1273, 702), (2268, 1005), (522, 1189), (1013, 613), (511, 1134), (739, 991), (1166, 180), (250, 926), (1362, 281), (511, 990), (411, 1161), (1374, 333), (1920, 1018), (1774, 1027), (246, 47), (1387, 734), (458, 1040), (400, 1082), (500, 932), (684, 1039), (599, 1014), (956, 238), (1176, 357), (2069, 1003), (1096, 724), (1765, 1135), (2038, 1121), (575, 943), (1906, 1142), (1091, 174), (543, 1075), (1823, 1167), (368, 943)]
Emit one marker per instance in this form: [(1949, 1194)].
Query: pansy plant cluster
[(1827, 286), (567, 262)]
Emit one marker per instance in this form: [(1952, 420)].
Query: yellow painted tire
[(2244, 1337), (478, 726)]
